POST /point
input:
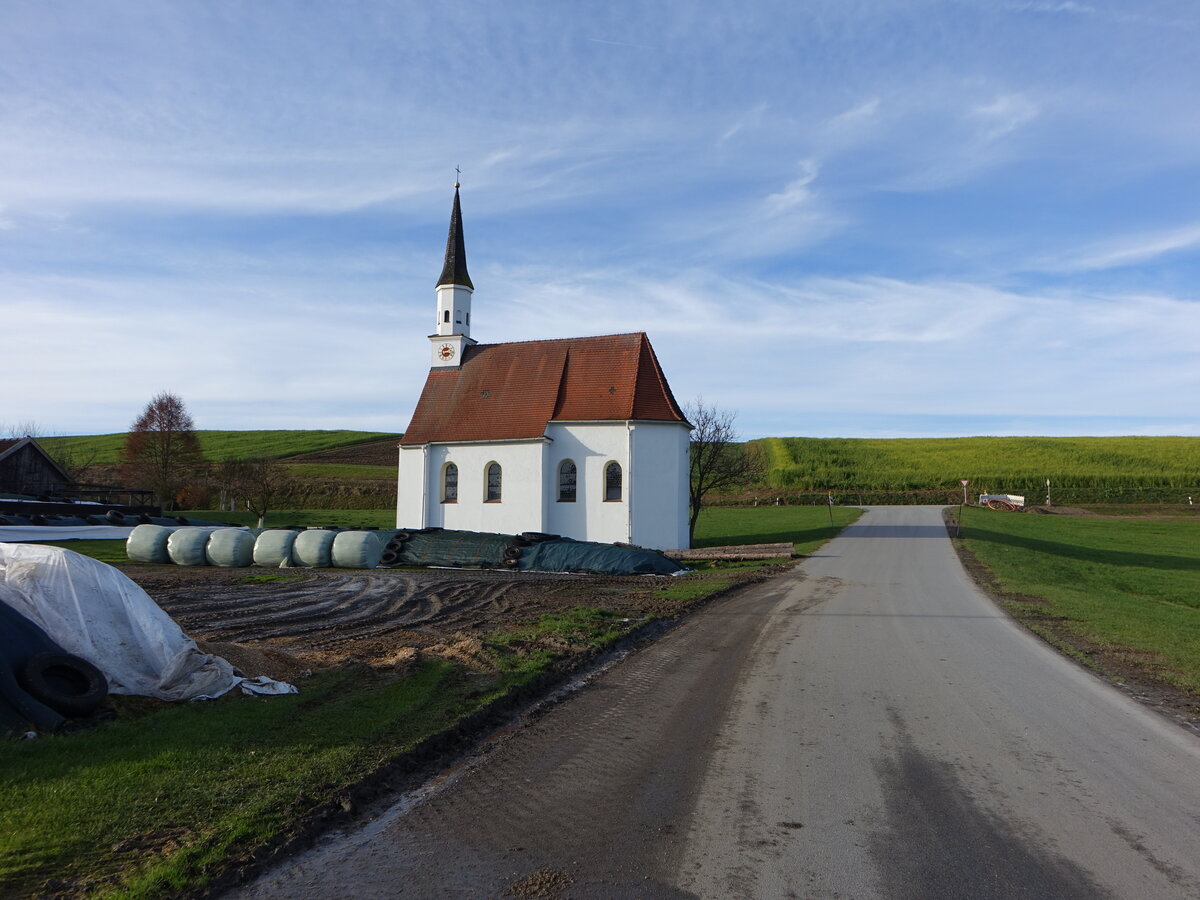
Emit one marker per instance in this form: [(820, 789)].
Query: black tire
[(401, 536), (115, 517), (66, 683), (512, 552), (389, 558)]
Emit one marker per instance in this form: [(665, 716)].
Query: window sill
[(561, 500), (491, 501), (449, 501)]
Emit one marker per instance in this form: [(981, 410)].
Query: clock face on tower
[(446, 351)]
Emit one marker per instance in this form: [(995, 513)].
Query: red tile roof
[(512, 391)]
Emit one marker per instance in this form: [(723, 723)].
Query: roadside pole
[(830, 505), (962, 509)]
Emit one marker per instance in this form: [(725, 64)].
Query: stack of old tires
[(40, 683)]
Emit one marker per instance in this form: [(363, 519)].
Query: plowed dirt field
[(333, 617)]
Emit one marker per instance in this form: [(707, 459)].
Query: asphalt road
[(869, 726)]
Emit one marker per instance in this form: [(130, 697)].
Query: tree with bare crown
[(718, 461)]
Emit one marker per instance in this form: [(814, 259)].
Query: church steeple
[(454, 271), (452, 336)]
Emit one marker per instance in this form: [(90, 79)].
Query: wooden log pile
[(735, 553)]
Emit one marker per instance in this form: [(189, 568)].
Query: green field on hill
[(1080, 469), (222, 445)]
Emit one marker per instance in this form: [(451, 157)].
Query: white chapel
[(578, 436)]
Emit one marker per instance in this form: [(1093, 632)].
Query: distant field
[(1125, 585), (223, 445), (1081, 469)]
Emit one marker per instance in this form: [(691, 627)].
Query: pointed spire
[(455, 269)]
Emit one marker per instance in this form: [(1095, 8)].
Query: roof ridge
[(588, 337)]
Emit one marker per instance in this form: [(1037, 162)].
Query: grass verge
[(808, 527), (1118, 593)]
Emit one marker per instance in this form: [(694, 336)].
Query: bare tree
[(262, 483), (718, 461), (162, 451)]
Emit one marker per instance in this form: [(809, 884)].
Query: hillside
[(356, 469), (1080, 469), (222, 445)]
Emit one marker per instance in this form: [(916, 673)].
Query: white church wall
[(519, 507), (659, 485), (591, 446), (410, 488)]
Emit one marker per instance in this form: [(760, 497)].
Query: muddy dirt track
[(334, 616)]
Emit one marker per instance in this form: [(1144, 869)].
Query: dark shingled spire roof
[(455, 269)]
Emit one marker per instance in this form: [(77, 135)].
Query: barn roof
[(12, 446), (513, 391)]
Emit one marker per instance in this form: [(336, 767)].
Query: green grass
[(532, 648), (223, 445), (1129, 585), (1106, 469), (805, 526), (191, 785), (111, 552)]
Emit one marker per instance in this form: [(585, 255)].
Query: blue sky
[(896, 218)]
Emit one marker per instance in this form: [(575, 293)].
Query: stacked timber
[(735, 553)]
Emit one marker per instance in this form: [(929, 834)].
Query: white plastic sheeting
[(274, 548), (148, 544), (357, 550), (230, 547), (19, 534), (313, 549), (92, 610)]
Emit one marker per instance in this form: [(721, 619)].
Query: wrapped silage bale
[(148, 544), (274, 547), (230, 548), (186, 546), (357, 550), (313, 548)]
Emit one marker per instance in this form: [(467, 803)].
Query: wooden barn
[(25, 468)]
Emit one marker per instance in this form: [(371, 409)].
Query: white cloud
[(1128, 250), (1004, 114)]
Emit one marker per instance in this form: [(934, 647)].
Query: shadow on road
[(895, 531)]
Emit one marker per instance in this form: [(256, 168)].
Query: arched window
[(612, 481), (450, 483), (492, 477), (446, 316), (566, 481)]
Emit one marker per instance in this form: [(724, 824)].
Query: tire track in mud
[(323, 610)]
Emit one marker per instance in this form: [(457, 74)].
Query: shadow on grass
[(1086, 554)]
